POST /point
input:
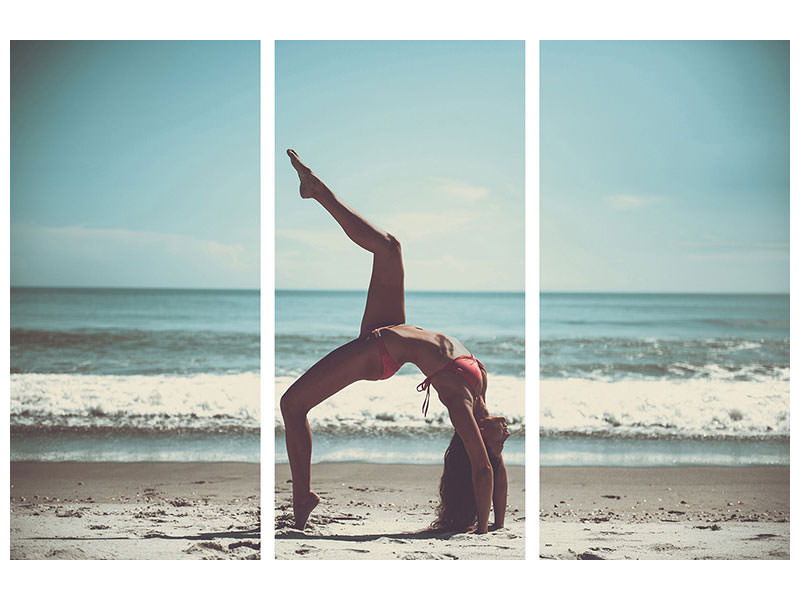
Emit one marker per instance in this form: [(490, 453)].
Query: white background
[(412, 19)]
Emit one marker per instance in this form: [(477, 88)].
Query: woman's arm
[(479, 409), (500, 494), (482, 474)]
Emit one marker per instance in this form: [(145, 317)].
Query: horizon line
[(132, 287), (694, 293), (426, 291)]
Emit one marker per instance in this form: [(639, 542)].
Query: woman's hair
[(457, 510)]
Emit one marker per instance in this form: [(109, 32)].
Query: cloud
[(328, 239), (232, 256), (456, 272), (59, 255), (228, 256), (629, 202), (458, 189), (407, 226), (715, 248), (757, 255), (716, 243)]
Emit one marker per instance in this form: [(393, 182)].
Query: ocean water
[(381, 421), (664, 379), (135, 374)]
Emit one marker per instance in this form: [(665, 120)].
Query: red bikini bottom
[(389, 366)]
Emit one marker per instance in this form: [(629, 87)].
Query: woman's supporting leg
[(352, 362), (386, 295)]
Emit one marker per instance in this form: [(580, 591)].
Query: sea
[(135, 375), (664, 379), (382, 421)]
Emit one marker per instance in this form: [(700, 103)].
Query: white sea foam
[(394, 406), (666, 408), (136, 401)]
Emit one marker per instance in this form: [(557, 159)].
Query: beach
[(134, 423), (664, 426), (380, 511), (377, 459), (135, 510), (664, 513)]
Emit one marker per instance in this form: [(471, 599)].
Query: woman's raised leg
[(386, 294), (352, 362), (357, 360)]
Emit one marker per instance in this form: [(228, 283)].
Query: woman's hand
[(476, 529), (493, 527), (480, 465)]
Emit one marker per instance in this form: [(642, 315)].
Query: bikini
[(390, 367), (467, 366)]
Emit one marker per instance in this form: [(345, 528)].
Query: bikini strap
[(425, 386), (381, 343)]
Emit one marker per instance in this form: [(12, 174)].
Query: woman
[(472, 481)]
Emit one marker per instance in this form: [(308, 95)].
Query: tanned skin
[(360, 359)]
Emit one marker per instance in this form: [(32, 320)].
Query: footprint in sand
[(761, 536), (203, 546), (246, 544), (304, 549)]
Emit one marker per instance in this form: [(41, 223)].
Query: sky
[(664, 166), (424, 139), (135, 164)]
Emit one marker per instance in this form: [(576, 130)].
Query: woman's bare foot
[(309, 182), (303, 509)]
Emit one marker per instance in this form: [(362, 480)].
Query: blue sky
[(135, 164), (664, 166), (425, 139)]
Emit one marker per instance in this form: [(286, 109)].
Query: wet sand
[(371, 511), (664, 513), (157, 510)]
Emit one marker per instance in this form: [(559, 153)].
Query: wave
[(633, 342), (735, 323), (392, 408), (102, 403), (704, 409), (678, 370), (90, 338), (133, 351), (731, 358), (740, 323)]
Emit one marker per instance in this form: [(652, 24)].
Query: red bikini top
[(467, 366)]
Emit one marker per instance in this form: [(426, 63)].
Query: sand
[(664, 513), (371, 511), (157, 510)]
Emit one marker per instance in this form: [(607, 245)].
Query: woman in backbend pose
[(474, 475)]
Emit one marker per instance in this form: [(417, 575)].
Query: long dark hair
[(457, 510)]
